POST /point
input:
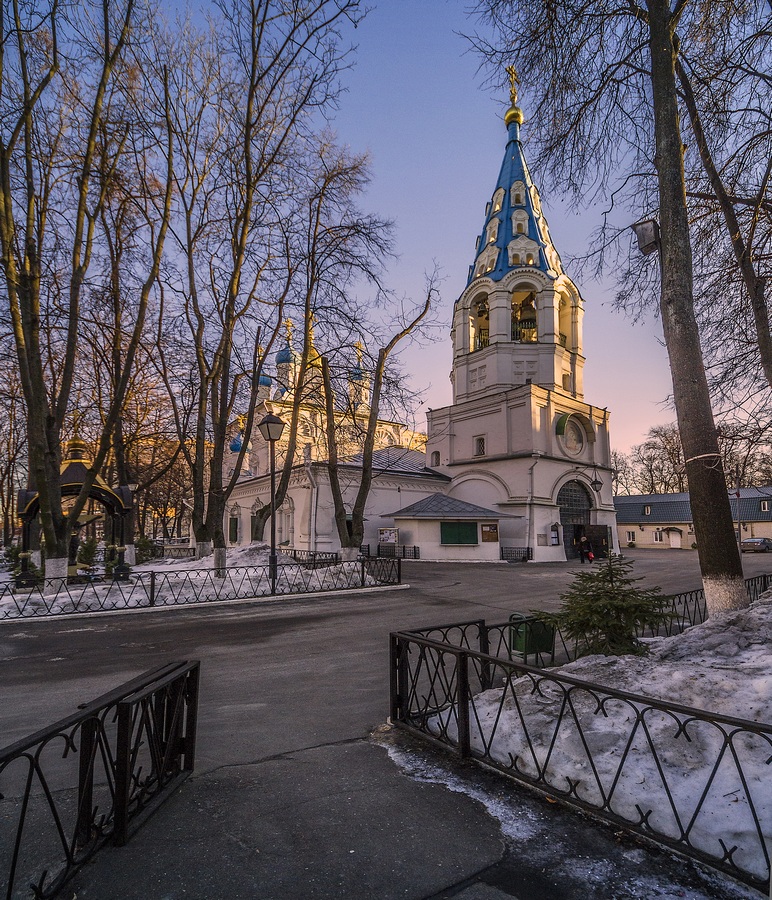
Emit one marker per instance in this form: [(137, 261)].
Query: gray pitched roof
[(666, 508), (397, 460), (438, 506)]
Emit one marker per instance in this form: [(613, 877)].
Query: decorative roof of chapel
[(515, 234)]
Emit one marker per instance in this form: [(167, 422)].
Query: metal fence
[(516, 554), (437, 673), (397, 551), (542, 729), (312, 559), (93, 778), (187, 586)]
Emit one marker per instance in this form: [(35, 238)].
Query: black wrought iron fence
[(516, 554), (312, 559), (186, 586), (398, 551), (93, 777), (666, 771)]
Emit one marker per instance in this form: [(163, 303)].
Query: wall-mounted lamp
[(641, 528), (596, 482)]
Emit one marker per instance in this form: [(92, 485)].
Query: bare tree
[(62, 68), (337, 247), (243, 100), (351, 542)]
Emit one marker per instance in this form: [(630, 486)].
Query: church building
[(519, 463)]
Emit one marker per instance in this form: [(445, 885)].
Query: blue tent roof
[(514, 169)]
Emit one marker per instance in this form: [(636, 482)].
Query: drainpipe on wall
[(529, 523), (314, 497)]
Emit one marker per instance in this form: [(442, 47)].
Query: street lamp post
[(271, 428)]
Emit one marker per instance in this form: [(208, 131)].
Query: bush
[(631, 544), (87, 551), (603, 610), (144, 549)]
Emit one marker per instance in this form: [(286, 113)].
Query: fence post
[(399, 571), (362, 571), (122, 775), (462, 703), (152, 588), (191, 718), (396, 681), (83, 828), (486, 679)]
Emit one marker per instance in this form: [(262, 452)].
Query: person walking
[(585, 550)]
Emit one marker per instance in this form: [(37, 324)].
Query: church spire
[(515, 233)]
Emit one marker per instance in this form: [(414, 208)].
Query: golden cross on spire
[(513, 82)]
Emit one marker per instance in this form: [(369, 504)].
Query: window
[(630, 537), (233, 529), (479, 446), (658, 536), (458, 532), (647, 510), (435, 457), (764, 505)]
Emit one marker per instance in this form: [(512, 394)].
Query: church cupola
[(519, 320), (287, 363)]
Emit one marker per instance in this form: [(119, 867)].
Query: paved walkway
[(301, 790)]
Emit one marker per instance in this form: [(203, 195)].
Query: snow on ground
[(532, 833), (179, 582), (255, 554), (723, 667)]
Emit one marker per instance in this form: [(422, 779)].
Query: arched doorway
[(575, 504)]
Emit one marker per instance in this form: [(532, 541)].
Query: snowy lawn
[(698, 780)]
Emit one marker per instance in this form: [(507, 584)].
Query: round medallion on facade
[(571, 435)]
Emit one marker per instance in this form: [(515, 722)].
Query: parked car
[(756, 545)]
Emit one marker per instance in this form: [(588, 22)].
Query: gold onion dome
[(76, 449)]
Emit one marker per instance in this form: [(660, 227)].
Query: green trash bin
[(528, 636)]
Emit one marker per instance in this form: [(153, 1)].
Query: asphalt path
[(278, 675), (291, 797)]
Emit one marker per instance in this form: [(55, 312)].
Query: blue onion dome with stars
[(515, 234)]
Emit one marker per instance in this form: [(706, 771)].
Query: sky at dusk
[(436, 136)]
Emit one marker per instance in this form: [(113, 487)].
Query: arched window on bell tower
[(524, 319), (479, 322)]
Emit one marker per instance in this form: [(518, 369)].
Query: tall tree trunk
[(719, 556)]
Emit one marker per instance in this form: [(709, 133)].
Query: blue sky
[(415, 100)]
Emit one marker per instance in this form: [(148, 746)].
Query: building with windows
[(519, 460), (664, 521)]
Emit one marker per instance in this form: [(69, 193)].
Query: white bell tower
[(519, 436)]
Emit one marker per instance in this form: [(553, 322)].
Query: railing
[(177, 588), (516, 554), (588, 744), (481, 339), (312, 559), (400, 551), (94, 777)]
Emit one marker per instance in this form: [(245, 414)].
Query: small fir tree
[(604, 610)]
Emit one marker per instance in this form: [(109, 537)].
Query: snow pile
[(255, 554), (630, 758)]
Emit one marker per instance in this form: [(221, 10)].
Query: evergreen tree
[(604, 611)]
